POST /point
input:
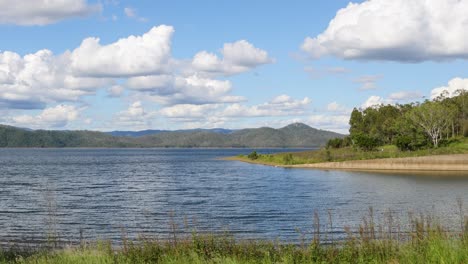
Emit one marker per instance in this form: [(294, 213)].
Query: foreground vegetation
[(426, 242)]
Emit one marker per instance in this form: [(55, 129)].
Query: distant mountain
[(20, 137), (294, 135), (152, 132)]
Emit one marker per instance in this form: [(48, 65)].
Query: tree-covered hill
[(294, 135)]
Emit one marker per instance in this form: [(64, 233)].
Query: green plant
[(253, 155)]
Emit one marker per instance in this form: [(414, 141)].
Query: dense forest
[(413, 126), (295, 135)]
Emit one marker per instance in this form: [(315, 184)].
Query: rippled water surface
[(141, 191)]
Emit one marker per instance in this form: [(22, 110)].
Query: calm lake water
[(105, 191)]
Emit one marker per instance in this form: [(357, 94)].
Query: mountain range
[(295, 135)]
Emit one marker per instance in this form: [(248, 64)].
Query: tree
[(433, 117), (366, 142)]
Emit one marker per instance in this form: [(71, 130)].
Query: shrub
[(366, 142), (339, 142), (404, 142), (253, 155), (288, 159), (335, 143)]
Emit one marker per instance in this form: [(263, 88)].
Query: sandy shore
[(453, 163), (456, 162)]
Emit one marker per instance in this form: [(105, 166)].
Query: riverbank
[(453, 158), (449, 163), (457, 162)]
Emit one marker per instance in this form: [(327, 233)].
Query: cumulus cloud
[(393, 98), (397, 30), (373, 101), (132, 56), (238, 57), (135, 117), (142, 66), (189, 111), (43, 12), (170, 90), (454, 85), (36, 79), (337, 123), (281, 105), (55, 117)]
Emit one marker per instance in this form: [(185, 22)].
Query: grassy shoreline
[(426, 241), (453, 157)]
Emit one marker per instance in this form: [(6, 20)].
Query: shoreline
[(436, 163)]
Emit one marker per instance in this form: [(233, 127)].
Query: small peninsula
[(428, 136)]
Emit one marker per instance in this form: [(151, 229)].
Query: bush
[(411, 143), (366, 142), (335, 143), (288, 159), (339, 142), (404, 143), (253, 155)]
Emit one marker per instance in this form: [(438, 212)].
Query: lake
[(101, 193)]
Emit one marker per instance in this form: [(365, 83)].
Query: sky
[(134, 65)]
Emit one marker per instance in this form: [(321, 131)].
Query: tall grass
[(421, 240)]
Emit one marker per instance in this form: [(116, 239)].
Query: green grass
[(454, 146), (431, 247), (372, 242)]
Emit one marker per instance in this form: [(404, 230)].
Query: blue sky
[(132, 65)]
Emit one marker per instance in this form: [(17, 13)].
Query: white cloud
[(36, 79), (392, 99), (397, 30), (56, 117), (115, 90), (337, 123), (207, 115), (368, 82), (43, 12), (135, 117), (170, 90), (189, 111), (451, 89), (238, 57), (405, 96), (132, 56), (373, 101), (282, 105), (337, 108)]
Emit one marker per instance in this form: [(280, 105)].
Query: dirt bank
[(455, 162)]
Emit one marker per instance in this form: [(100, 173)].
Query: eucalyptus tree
[(433, 117)]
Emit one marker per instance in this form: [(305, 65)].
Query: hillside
[(295, 135), (119, 133)]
